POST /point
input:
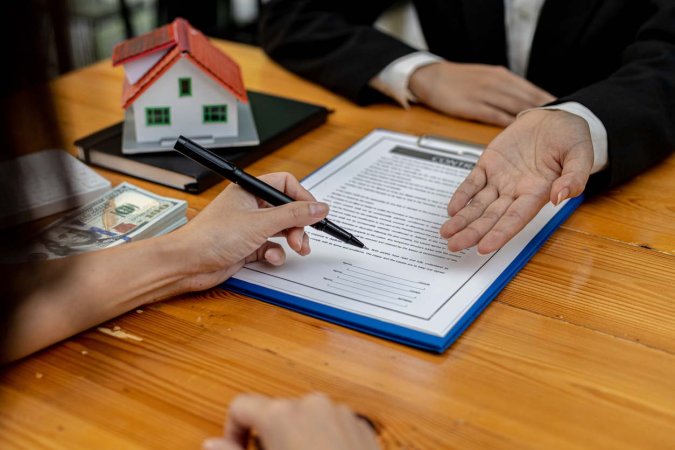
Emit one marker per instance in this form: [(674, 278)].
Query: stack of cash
[(123, 214)]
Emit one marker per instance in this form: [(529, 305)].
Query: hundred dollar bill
[(121, 215)]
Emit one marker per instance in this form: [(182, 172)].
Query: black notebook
[(278, 120)]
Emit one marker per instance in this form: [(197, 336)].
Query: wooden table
[(578, 351)]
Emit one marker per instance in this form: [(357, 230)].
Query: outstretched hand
[(546, 155)]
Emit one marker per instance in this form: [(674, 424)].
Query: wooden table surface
[(578, 351)]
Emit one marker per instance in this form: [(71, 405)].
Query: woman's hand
[(234, 229), (73, 294)]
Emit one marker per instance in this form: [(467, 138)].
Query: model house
[(176, 82)]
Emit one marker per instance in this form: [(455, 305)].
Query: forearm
[(66, 296), (55, 299)]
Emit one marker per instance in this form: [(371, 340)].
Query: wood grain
[(515, 379), (601, 284), (641, 212), (578, 351)]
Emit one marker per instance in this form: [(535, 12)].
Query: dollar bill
[(123, 214)]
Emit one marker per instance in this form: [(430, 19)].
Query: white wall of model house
[(186, 112)]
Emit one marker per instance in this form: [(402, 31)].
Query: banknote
[(123, 214)]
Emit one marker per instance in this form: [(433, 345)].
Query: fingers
[(508, 104), (487, 113), (245, 414), (471, 212), (528, 92), (514, 219), (240, 227), (472, 233), (289, 219), (509, 93), (293, 215), (289, 185), (465, 192), (270, 252), (274, 253), (486, 93), (304, 247), (307, 211), (503, 95), (349, 430), (298, 240), (545, 155), (576, 169), (310, 422), (496, 224), (514, 103)]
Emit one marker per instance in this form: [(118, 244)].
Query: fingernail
[(305, 245), (271, 257), (318, 209), (479, 253), (562, 195)]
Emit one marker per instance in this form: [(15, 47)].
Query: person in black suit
[(605, 69)]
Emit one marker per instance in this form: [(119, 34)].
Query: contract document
[(391, 190)]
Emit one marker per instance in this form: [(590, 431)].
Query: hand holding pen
[(254, 186)]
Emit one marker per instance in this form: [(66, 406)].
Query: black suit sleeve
[(636, 103), (331, 42)]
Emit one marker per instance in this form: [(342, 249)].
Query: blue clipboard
[(399, 333)]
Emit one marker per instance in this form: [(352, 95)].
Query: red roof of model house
[(179, 38)]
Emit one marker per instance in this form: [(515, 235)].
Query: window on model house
[(185, 87), (157, 116), (214, 113)]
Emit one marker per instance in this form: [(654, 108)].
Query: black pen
[(253, 185)]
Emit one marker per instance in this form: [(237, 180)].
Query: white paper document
[(392, 194)]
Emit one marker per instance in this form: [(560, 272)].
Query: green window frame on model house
[(214, 113), (158, 116), (185, 87)]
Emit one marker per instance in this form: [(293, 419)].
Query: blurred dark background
[(93, 27), (81, 32)]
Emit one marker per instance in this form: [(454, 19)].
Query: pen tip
[(356, 243)]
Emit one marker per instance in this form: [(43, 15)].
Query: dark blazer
[(616, 57)]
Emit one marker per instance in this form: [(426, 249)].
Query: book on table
[(43, 183), (391, 191), (278, 121)]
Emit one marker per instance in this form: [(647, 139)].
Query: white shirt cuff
[(597, 129), (393, 80)]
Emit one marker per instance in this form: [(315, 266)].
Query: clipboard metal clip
[(453, 146)]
